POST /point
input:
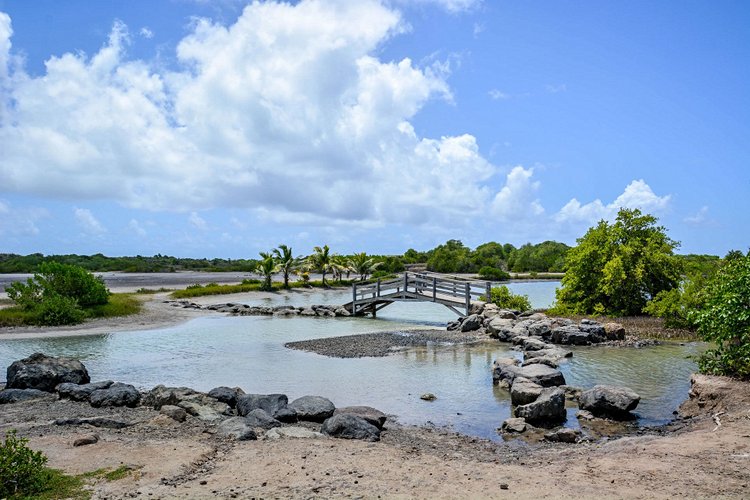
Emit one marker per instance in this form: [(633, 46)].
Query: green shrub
[(57, 310), (493, 273), (725, 319), (73, 282), (505, 299), (22, 470)]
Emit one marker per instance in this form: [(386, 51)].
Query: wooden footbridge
[(456, 294)]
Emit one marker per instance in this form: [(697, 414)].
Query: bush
[(22, 470), (57, 310), (725, 319), (73, 282), (493, 273), (505, 299)]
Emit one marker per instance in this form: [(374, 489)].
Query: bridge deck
[(453, 293)]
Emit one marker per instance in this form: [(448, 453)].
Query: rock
[(513, 425), (341, 312), (477, 307), (174, 412), (117, 394), (42, 372), (452, 326), (471, 323), (161, 395), (227, 395), (307, 312), (286, 415), (347, 426), (524, 391), (259, 418), (543, 375), (550, 352), (206, 411), (506, 314), (76, 392), (504, 369), (574, 335), (269, 402), (17, 395), (105, 422), (571, 393), (292, 432), (490, 310), (540, 328), (585, 415), (614, 331), (428, 396), (86, 440), (548, 408), (312, 408), (531, 344), (501, 328), (609, 401), (596, 331), (563, 435), (542, 360), (237, 428), (375, 417)]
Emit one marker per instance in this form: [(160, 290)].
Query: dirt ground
[(704, 454)]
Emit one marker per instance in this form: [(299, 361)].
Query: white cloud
[(20, 221), (699, 219), (452, 6), (136, 227), (87, 221), (478, 29), (556, 89), (197, 221), (498, 95), (517, 201), (145, 32), (637, 194)]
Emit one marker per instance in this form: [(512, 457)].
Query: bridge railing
[(422, 286)]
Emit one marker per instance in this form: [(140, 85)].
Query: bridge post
[(488, 298), (354, 299), (378, 287), (434, 288), (406, 284), (468, 298)]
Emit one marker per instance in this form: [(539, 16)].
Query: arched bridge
[(455, 294)]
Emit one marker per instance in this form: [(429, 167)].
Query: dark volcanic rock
[(18, 395), (471, 323), (271, 403), (524, 391), (549, 408), (348, 426), (260, 418), (238, 428), (226, 395), (609, 401), (313, 408), (286, 415), (372, 415), (82, 392), (117, 394), (109, 423), (42, 372)]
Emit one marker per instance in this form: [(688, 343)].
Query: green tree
[(286, 262), (505, 299), (320, 261), (451, 257), (617, 268), (267, 268), (725, 319), (363, 265)]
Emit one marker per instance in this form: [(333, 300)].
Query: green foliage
[(617, 268), (363, 265), (452, 257), (493, 273), (56, 310), (286, 263), (22, 471), (505, 299), (120, 304), (548, 256), (321, 261), (725, 319), (267, 268)]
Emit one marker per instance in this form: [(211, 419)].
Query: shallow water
[(249, 352)]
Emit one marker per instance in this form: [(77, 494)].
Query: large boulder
[(313, 408), (471, 323), (524, 391), (117, 394), (609, 401), (573, 335), (547, 409), (43, 372), (161, 395), (544, 375), (237, 428), (513, 425), (504, 370), (540, 328), (82, 392), (501, 328), (227, 395), (614, 331), (348, 426), (271, 403), (372, 415), (532, 344), (18, 395), (259, 418), (553, 352)]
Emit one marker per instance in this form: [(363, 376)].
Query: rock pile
[(228, 410), (322, 311)]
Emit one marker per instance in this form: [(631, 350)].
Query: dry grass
[(646, 327)]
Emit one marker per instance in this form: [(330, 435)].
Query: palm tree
[(321, 261), (285, 262), (267, 267), (339, 266), (363, 265)]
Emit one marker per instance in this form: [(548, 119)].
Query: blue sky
[(220, 129)]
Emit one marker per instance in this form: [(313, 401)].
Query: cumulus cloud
[(86, 220), (20, 221), (637, 194), (517, 200), (452, 6), (145, 32)]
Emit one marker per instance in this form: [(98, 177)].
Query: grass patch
[(120, 304), (59, 485), (252, 286), (121, 472), (151, 291)]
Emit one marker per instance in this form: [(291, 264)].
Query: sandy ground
[(692, 458)]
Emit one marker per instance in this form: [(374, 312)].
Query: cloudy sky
[(223, 128)]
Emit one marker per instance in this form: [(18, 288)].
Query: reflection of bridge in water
[(455, 294)]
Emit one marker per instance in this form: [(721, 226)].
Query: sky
[(222, 128)]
